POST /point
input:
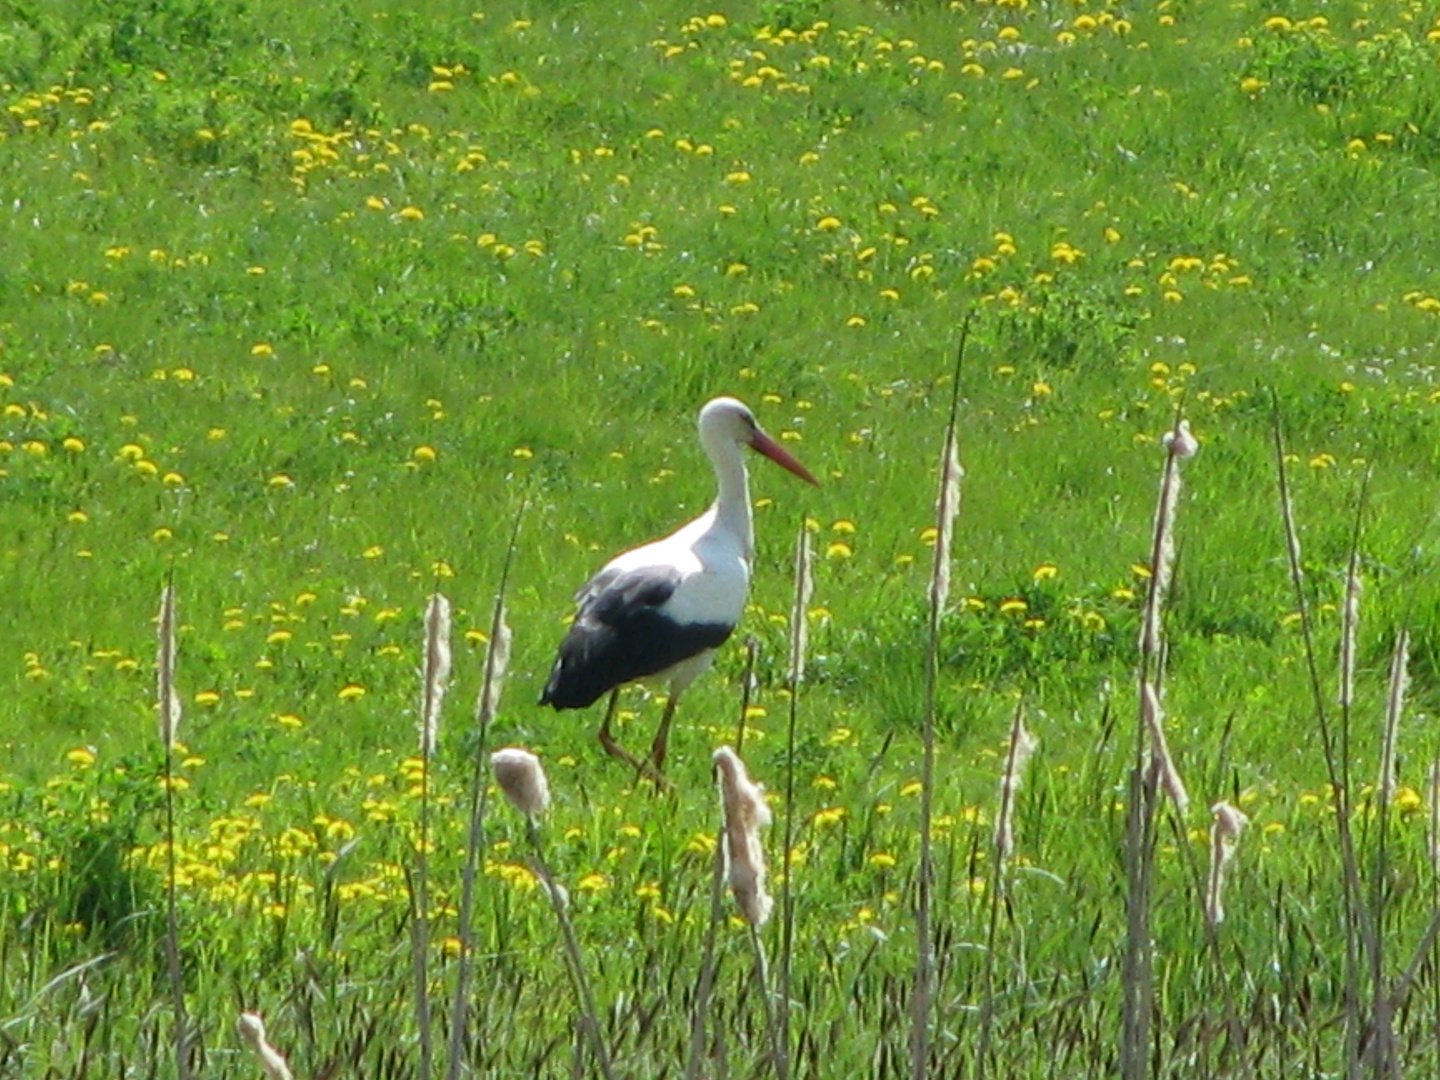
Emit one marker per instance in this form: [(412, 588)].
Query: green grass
[(300, 305)]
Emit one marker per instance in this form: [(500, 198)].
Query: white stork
[(659, 612)]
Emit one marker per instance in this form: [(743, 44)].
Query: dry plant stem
[(705, 983), (496, 657), (1382, 1042), (434, 676), (798, 641), (1003, 830), (1358, 929), (172, 929), (747, 688), (947, 509), (1233, 1023), (779, 1049), (169, 711), (1142, 803), (583, 993)]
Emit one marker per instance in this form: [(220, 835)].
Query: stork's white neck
[(732, 501)]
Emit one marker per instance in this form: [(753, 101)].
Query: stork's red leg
[(662, 736), (615, 750)]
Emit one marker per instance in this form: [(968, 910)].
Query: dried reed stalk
[(522, 781), (487, 705), (1349, 628), (1394, 707), (1432, 798), (1022, 746), (168, 709), (166, 696), (947, 510), (1161, 763), (804, 587), (435, 678), (705, 982), (1152, 768), (1359, 929), (1381, 1048)]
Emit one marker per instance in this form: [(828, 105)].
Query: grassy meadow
[(300, 305)]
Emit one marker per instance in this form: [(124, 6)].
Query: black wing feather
[(620, 635)]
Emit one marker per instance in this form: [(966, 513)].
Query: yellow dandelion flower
[(593, 883), (351, 692)]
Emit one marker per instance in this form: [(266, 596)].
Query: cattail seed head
[(252, 1030), (947, 509), (497, 659), (1180, 442), (745, 811), (1225, 831), (166, 696), (435, 676), (1022, 745), (522, 780)]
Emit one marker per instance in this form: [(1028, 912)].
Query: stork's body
[(658, 612)]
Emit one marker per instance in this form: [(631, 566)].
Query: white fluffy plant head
[(522, 780), (745, 811), (252, 1030)]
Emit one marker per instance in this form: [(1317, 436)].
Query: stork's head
[(728, 420)]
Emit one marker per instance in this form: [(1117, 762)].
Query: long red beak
[(778, 454)]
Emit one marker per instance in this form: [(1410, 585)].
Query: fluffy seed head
[(742, 802), (252, 1030), (1225, 831), (521, 779), (1180, 442)]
